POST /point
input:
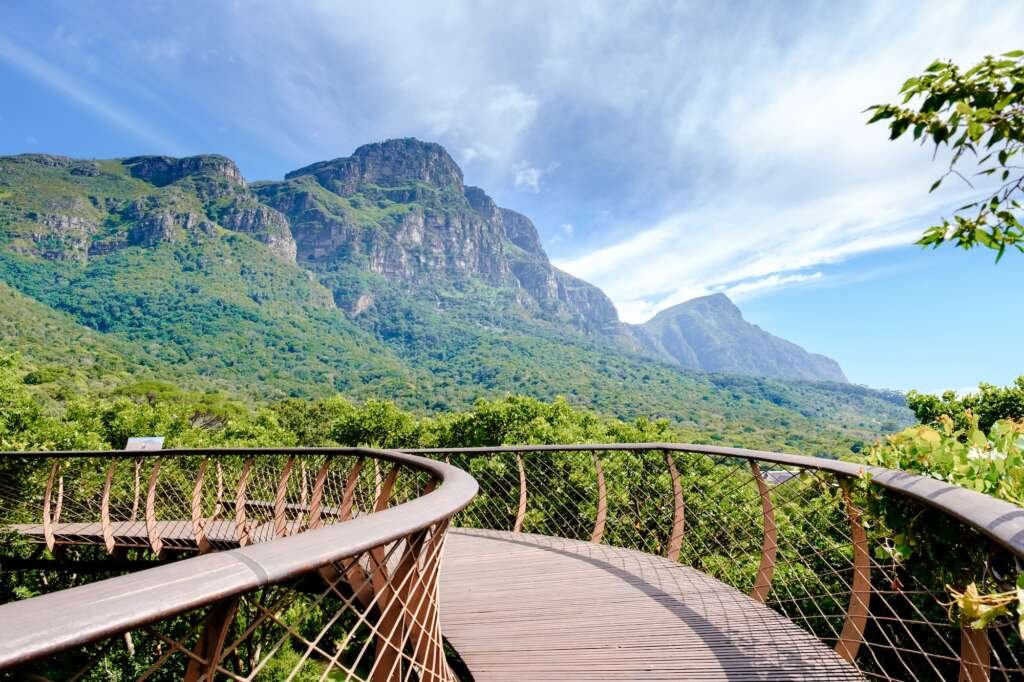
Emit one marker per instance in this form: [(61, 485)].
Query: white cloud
[(782, 176), (713, 248), (749, 289), (528, 177)]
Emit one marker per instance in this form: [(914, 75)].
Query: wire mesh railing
[(328, 566), (864, 559), (324, 564)]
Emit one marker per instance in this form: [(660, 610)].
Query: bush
[(989, 404)]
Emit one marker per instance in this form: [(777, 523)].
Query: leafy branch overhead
[(978, 114)]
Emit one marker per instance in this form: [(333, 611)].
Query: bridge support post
[(769, 544), (974, 655), (602, 501), (852, 635), (675, 538), (211, 641), (521, 513)]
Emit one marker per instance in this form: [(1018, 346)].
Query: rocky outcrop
[(164, 170), (399, 209), (263, 223), (390, 163), (157, 227), (710, 334), (64, 237), (595, 310), (218, 185)]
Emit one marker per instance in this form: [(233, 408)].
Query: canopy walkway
[(520, 606), (645, 561)]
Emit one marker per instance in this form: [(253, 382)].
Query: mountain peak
[(718, 302), (710, 333), (389, 163)]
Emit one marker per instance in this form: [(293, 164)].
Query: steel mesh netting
[(844, 582), (371, 616)]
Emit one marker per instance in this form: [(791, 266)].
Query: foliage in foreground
[(978, 114), (990, 463), (987, 405), (982, 452)]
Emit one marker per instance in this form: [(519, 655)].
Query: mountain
[(710, 333), (399, 209), (376, 275)]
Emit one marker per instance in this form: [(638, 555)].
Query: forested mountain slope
[(376, 275)]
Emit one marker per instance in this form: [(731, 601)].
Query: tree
[(988, 405), (978, 114)]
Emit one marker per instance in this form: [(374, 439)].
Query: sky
[(664, 150)]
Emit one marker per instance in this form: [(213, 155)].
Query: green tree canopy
[(978, 114), (988, 405)]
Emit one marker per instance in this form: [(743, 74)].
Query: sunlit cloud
[(692, 148)]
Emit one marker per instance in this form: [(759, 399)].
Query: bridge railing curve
[(329, 558), (870, 560), (328, 566)]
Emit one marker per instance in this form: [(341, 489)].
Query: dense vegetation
[(28, 421), (150, 315), (987, 405), (154, 269)]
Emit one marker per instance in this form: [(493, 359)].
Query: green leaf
[(897, 128), (1005, 102), (935, 185), (1013, 54), (881, 112), (909, 83), (1020, 601)]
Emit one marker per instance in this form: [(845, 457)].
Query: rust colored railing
[(818, 540), (329, 565), (270, 564)]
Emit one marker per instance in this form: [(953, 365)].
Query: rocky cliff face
[(392, 164), (393, 222), (400, 209), (64, 209), (710, 333)]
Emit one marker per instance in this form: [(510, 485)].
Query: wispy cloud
[(784, 177), (528, 177), (697, 147), (70, 87)]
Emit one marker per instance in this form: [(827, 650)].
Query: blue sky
[(665, 150)]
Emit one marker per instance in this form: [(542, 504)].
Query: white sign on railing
[(145, 443)]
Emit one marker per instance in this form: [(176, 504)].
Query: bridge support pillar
[(211, 641)]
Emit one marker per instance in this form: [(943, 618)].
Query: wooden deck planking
[(531, 607)]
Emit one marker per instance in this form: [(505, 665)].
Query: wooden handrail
[(1002, 522), (29, 631)]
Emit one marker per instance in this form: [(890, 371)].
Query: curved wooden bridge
[(645, 561)]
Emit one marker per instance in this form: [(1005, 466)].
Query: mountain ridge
[(185, 271), (710, 333), (398, 209)]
